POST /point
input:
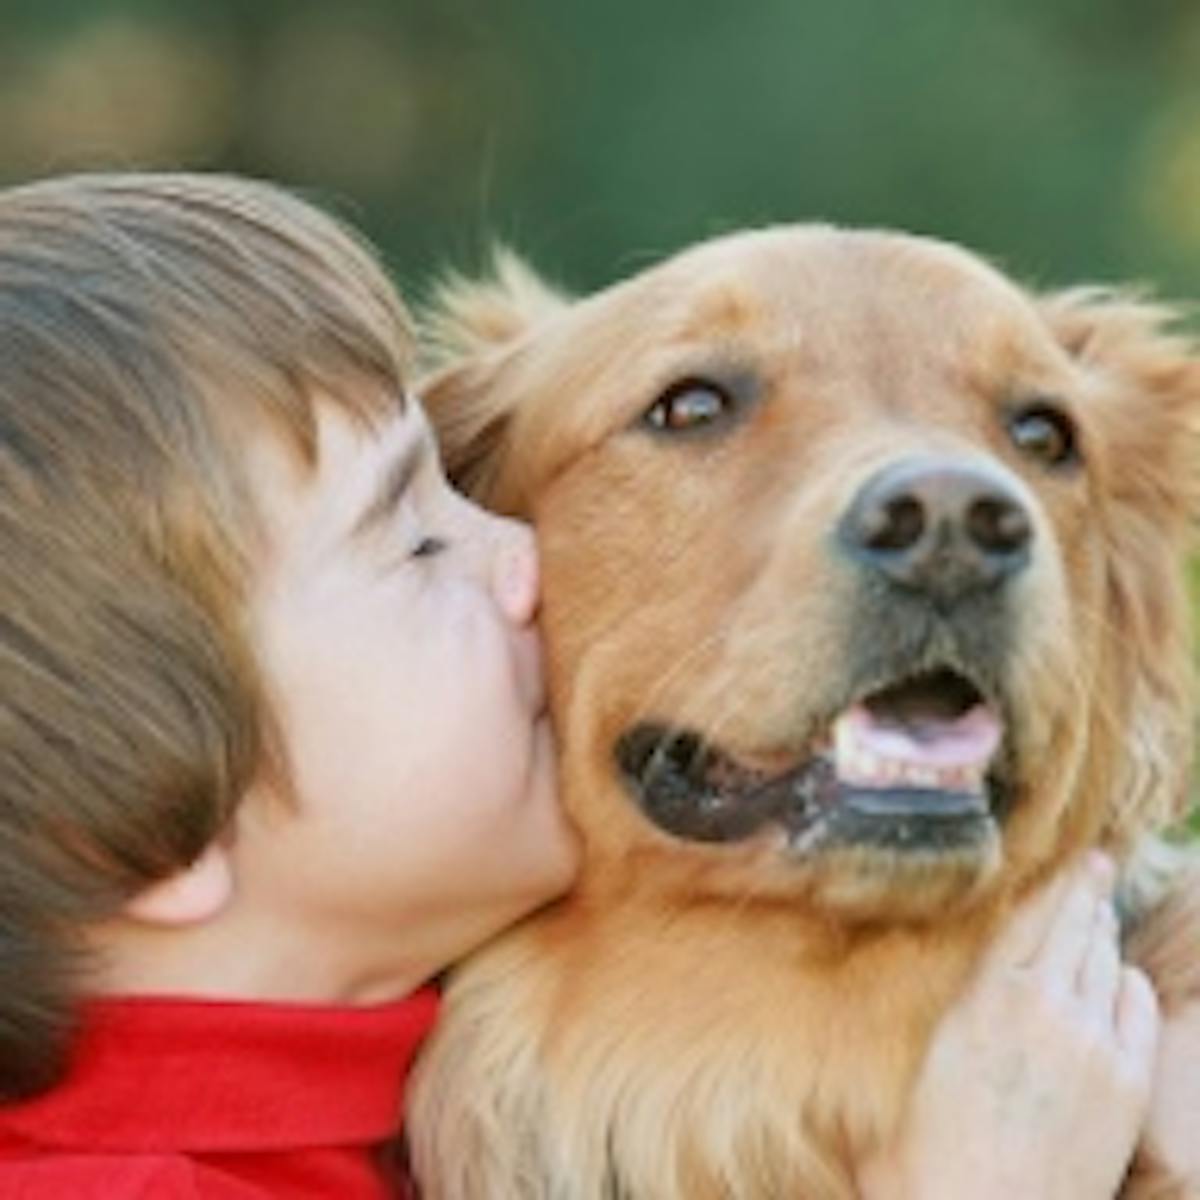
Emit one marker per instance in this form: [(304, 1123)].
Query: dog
[(865, 612)]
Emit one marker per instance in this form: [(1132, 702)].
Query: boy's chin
[(554, 849), (531, 855), (548, 861)]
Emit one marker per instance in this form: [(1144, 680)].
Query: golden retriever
[(865, 611)]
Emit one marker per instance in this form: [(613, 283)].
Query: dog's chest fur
[(747, 1067)]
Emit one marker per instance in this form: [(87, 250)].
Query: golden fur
[(736, 1020)]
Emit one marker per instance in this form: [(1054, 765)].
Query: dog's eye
[(689, 404), (1043, 432)]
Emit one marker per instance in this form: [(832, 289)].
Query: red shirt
[(170, 1098)]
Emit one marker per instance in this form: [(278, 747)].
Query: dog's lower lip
[(926, 803), (696, 793)]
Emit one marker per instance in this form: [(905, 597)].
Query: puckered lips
[(908, 766)]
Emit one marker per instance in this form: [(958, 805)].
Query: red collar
[(153, 1075)]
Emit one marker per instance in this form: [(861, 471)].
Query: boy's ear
[(1143, 406), (473, 331), (189, 897)]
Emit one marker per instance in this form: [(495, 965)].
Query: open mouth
[(907, 766)]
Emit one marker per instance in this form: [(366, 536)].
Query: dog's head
[(862, 565)]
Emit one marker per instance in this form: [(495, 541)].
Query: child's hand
[(1173, 1130), (1037, 1082)]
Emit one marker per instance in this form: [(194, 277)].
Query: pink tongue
[(966, 741)]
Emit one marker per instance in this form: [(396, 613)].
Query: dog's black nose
[(938, 526)]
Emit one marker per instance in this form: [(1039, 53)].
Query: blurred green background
[(1061, 137)]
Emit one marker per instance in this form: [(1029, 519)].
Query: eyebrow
[(397, 477)]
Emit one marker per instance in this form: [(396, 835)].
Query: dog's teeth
[(861, 766)]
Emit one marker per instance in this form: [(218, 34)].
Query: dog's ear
[(1144, 404), (472, 331)]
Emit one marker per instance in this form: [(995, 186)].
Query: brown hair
[(144, 320)]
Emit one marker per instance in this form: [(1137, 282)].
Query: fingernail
[(1101, 869)]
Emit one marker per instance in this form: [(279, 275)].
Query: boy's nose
[(515, 581)]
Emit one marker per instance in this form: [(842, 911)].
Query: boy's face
[(394, 626)]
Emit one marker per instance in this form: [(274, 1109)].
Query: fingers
[(1079, 959), (1073, 927), (1100, 976), (1138, 1020), (1043, 919), (1019, 941)]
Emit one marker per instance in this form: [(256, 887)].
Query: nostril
[(897, 524), (998, 525)]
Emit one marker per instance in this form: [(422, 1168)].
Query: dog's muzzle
[(910, 767), (913, 760)]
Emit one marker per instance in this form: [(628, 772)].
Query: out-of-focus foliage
[(1060, 136)]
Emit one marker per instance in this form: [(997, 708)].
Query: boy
[(273, 742), (273, 721)]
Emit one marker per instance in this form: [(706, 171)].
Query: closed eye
[(427, 547)]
